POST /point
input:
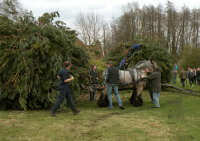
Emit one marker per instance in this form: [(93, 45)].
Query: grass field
[(177, 119)]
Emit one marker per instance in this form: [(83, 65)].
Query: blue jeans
[(109, 90), (156, 98), (174, 82), (64, 93), (183, 82), (130, 53), (121, 67)]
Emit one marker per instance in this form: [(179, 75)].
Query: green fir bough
[(31, 54)]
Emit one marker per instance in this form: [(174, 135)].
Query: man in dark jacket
[(183, 76), (154, 80), (64, 91), (111, 78), (198, 76), (133, 49), (93, 78)]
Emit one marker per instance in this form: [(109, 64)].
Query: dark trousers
[(64, 93), (121, 67), (92, 93), (130, 53), (191, 80), (183, 82), (195, 80), (151, 94), (198, 82)]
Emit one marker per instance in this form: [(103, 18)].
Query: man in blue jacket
[(122, 64), (64, 90), (133, 49)]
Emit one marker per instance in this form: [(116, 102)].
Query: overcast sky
[(68, 9)]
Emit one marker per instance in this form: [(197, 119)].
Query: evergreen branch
[(4, 63)]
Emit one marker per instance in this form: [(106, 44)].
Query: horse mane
[(139, 63)]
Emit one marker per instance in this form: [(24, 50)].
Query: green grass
[(177, 119)]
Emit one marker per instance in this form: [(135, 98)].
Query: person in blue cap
[(133, 49)]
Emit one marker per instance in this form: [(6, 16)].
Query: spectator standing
[(175, 75), (176, 67), (188, 76), (183, 76), (195, 78), (198, 76), (94, 79), (192, 77)]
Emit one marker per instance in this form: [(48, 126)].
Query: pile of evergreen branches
[(149, 50), (31, 54)]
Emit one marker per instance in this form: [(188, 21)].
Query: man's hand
[(147, 69), (58, 77), (97, 78)]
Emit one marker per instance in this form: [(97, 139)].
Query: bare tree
[(19, 8), (91, 27), (184, 24), (106, 39)]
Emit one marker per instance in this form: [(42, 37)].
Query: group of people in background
[(191, 75)]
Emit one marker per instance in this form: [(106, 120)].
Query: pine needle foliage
[(150, 50), (31, 54)]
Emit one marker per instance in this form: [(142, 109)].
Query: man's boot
[(76, 112)]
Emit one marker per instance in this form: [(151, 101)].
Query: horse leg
[(136, 99), (103, 99)]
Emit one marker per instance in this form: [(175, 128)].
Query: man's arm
[(97, 76), (58, 75), (105, 76), (151, 76), (66, 77)]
